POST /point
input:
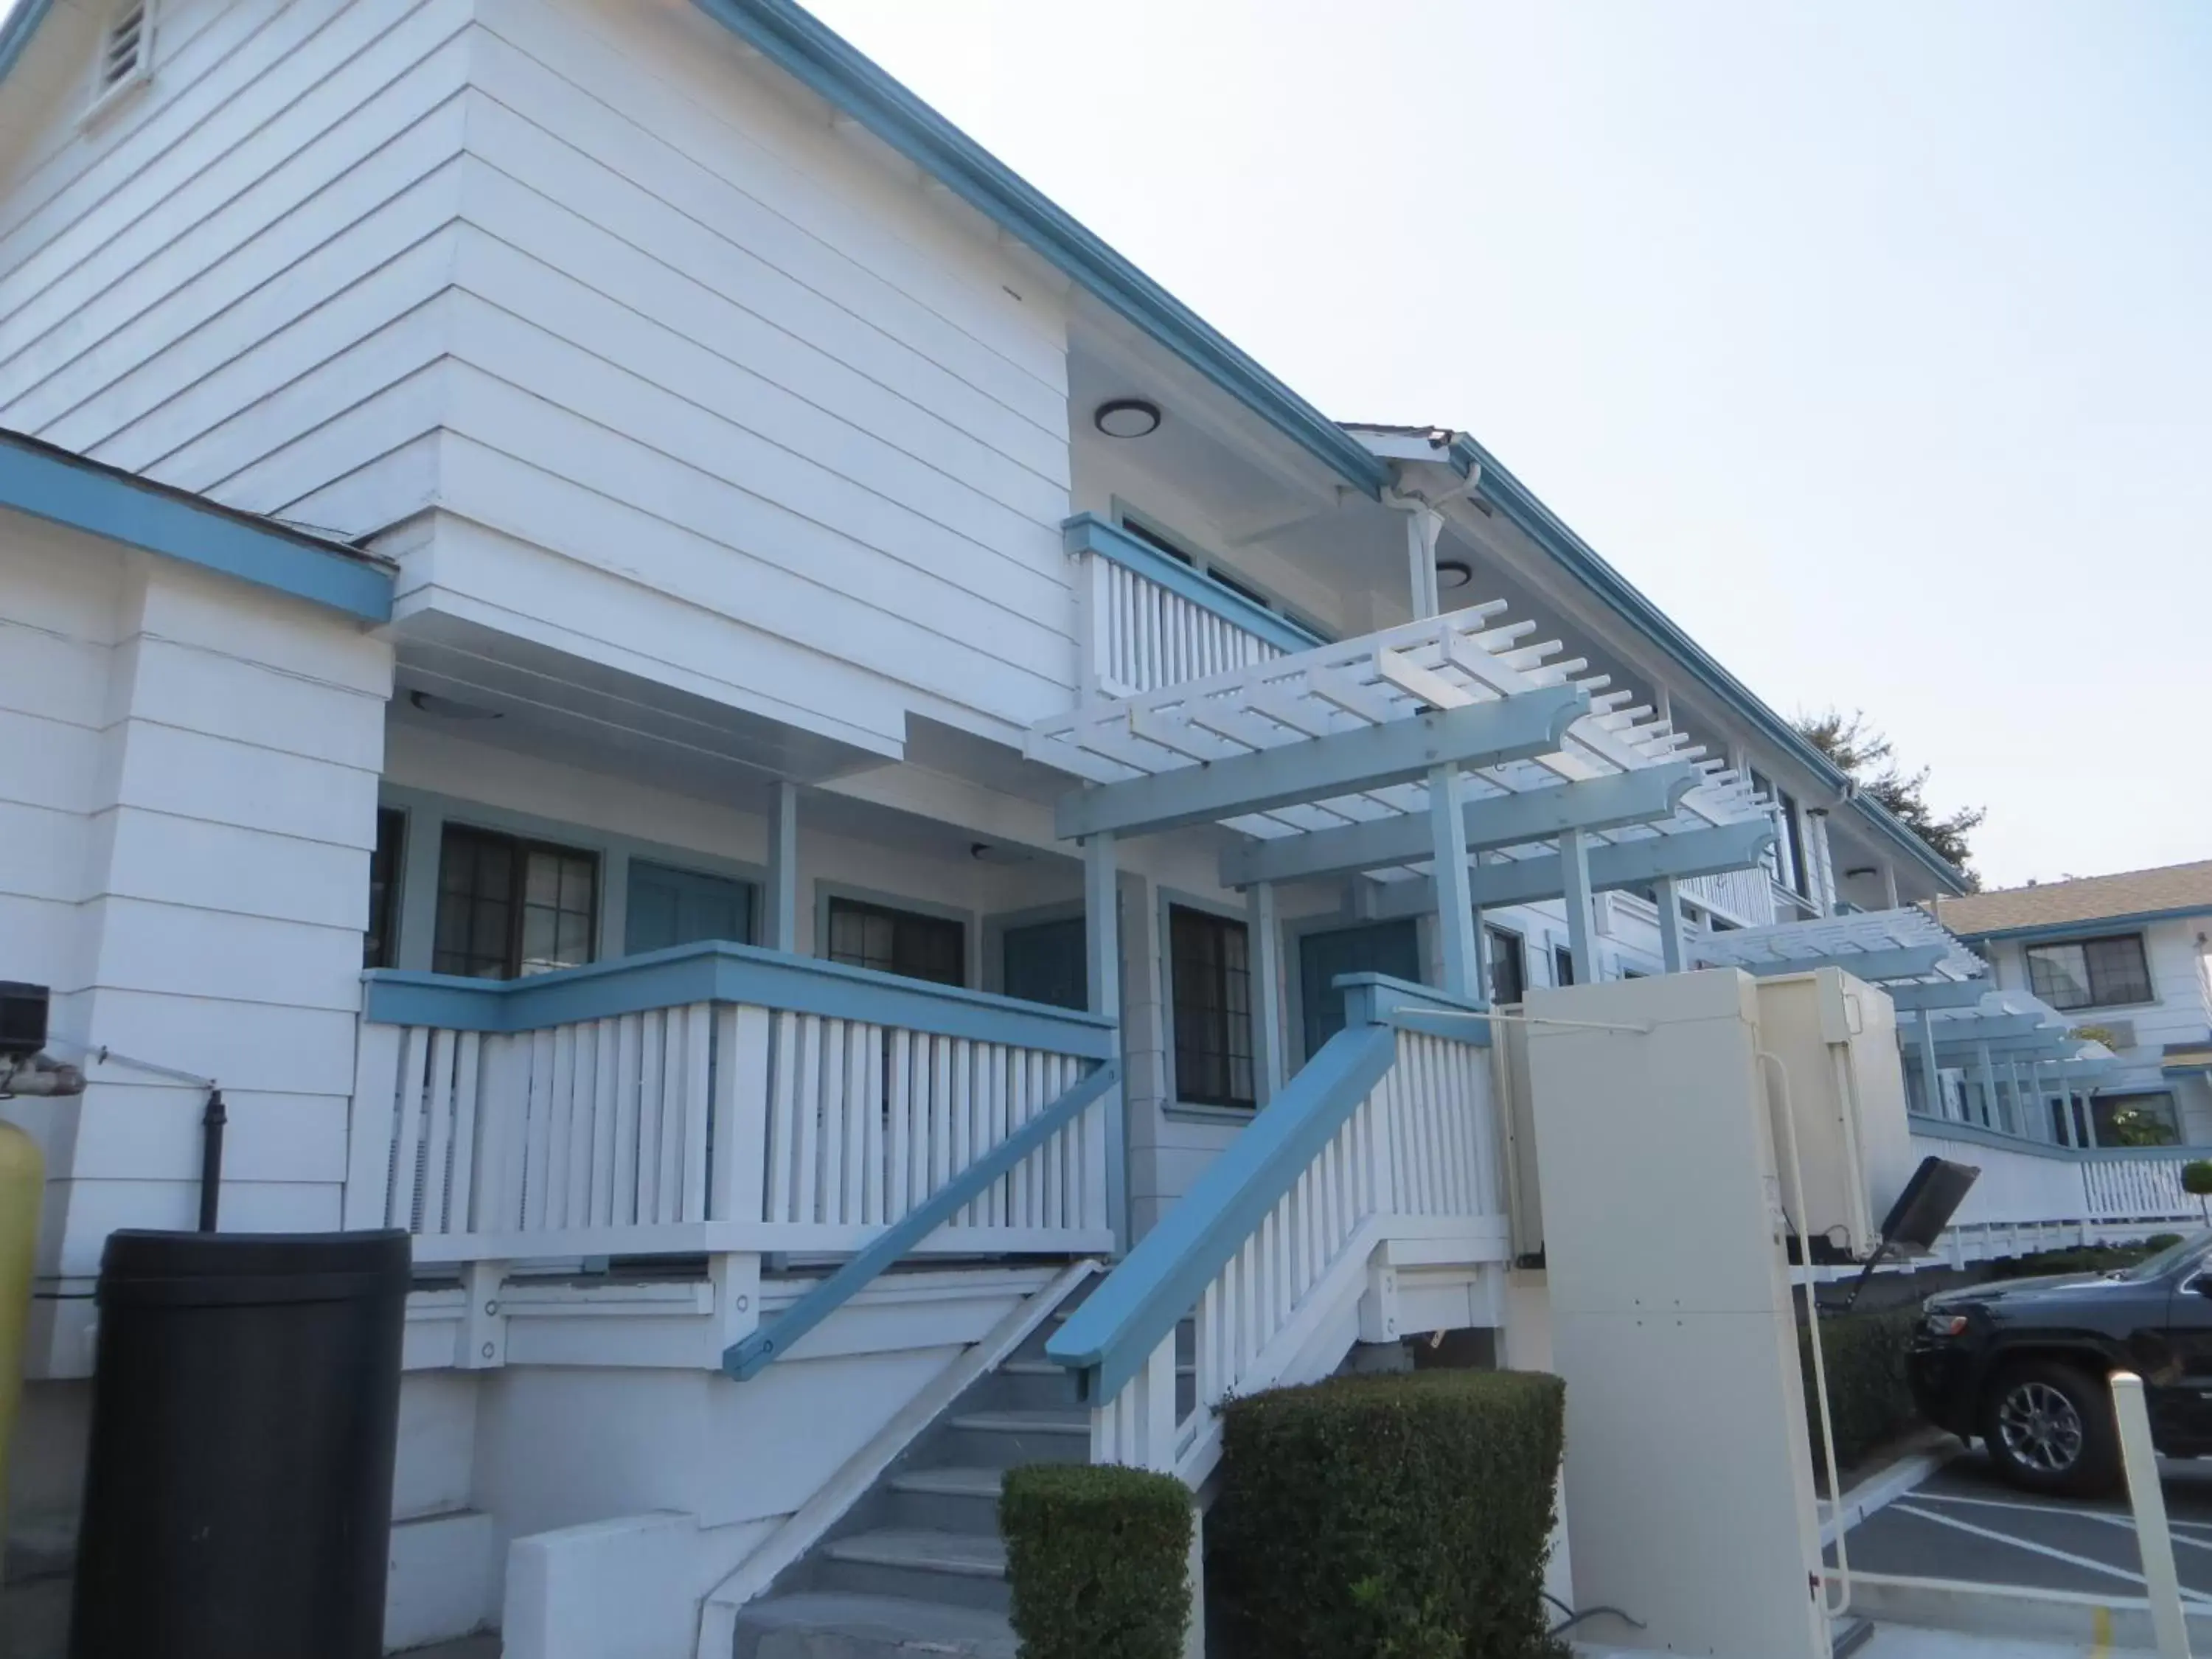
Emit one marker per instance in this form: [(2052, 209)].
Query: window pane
[(2059, 975), (2118, 971), (1509, 973), (901, 942), (1210, 966), (1563, 965), (1800, 881), (380, 946)]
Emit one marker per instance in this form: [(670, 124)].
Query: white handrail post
[(1102, 938), (2147, 1499), (1267, 989)]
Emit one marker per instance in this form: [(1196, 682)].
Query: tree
[(1866, 756)]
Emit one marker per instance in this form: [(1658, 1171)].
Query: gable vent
[(123, 52)]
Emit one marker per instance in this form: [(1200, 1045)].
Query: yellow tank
[(22, 1186)]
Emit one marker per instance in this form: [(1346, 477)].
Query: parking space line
[(2034, 1548), (2042, 1509)]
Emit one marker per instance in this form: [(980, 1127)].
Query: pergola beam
[(1518, 727), (1978, 1028), (1900, 962), (1605, 803), (1623, 864), (1951, 994)]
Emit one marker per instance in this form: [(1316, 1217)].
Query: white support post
[(1989, 1085), (1928, 1069), (1574, 869), (1483, 979), (1268, 994), (1455, 894), (1102, 938), (2147, 1498), (2068, 1130), (1889, 885), (1671, 952), (1823, 883), (783, 870)]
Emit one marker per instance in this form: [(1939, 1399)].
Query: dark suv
[(2023, 1365)]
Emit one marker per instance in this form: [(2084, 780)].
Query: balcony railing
[(716, 1098), (2032, 1194), (1743, 896), (1147, 621)]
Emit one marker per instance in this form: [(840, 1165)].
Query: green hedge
[(1868, 1399), (1388, 1517), (1098, 1561), (2080, 1259)]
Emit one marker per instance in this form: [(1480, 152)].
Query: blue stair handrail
[(1135, 1308), (749, 1355), (1107, 1339)]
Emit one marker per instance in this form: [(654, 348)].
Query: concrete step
[(953, 1499), (830, 1625), (964, 1570), (1001, 1439)]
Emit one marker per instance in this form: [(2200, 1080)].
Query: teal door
[(1044, 962), (1376, 947), (668, 906)]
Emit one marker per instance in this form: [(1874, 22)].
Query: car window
[(2172, 1256)]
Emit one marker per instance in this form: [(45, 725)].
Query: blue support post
[(783, 871), (1455, 898), (1671, 952), (1574, 871), (1102, 937), (1268, 990)]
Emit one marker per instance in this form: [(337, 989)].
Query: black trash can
[(245, 1410)]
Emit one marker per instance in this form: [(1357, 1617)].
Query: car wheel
[(2049, 1428)]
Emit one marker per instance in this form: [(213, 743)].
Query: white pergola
[(1949, 1012), (1452, 760)]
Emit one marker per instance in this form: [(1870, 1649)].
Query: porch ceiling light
[(448, 709), (1128, 417), (1453, 573)]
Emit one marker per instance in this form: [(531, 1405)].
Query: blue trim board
[(67, 489), (2058, 933), (16, 33), (748, 1356), (1086, 533), (1519, 503), (717, 971), (1137, 1306), (799, 44), (1379, 999), (1939, 1128)]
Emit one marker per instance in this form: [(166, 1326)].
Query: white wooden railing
[(1745, 897), (757, 1103), (1385, 1141), (2030, 1194), (1146, 622)]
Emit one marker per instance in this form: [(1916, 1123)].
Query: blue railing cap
[(1086, 533), (716, 970)]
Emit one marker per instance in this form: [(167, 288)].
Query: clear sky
[(1873, 340)]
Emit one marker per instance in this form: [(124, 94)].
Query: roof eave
[(2080, 927), (16, 31), (820, 59)]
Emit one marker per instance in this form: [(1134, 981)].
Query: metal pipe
[(211, 1123)]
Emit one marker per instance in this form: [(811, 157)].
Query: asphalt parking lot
[(1964, 1523)]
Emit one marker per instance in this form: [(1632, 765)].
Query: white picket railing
[(1146, 622), (1388, 1137), (1745, 897), (717, 1122), (2030, 1194)]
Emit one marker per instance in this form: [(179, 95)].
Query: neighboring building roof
[(68, 490), (2175, 889)]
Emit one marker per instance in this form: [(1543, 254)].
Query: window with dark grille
[(508, 907), (2144, 1118), (380, 946), (1509, 968), (902, 942), (1563, 965), (2090, 973), (1210, 962)]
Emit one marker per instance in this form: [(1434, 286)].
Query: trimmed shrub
[(1401, 1517), (2081, 1259), (1097, 1560), (1868, 1399)]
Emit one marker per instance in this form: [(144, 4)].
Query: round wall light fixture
[(1128, 417), (1453, 574)]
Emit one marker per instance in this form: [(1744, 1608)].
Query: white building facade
[(562, 564)]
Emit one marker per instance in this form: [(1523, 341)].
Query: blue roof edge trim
[(804, 47), (16, 33), (67, 489), (2059, 931), (1086, 533), (1519, 503)]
